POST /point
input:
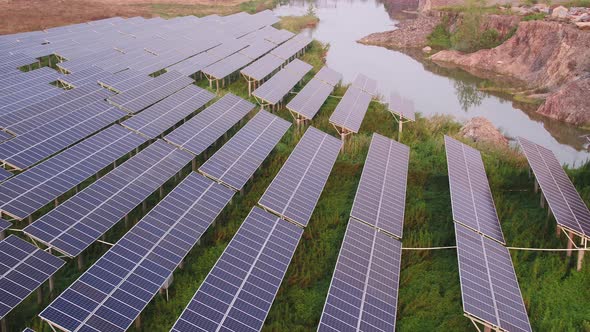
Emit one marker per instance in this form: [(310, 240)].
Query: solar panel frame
[(143, 259), (237, 160), (262, 67), (86, 76), (24, 268), (350, 111), (227, 66), (279, 85), (471, 197), (381, 194), (402, 107), (158, 118), (565, 202), (74, 225), (202, 130), (32, 189), (310, 99), (259, 254), (304, 174), (489, 286), (364, 288), (124, 80)]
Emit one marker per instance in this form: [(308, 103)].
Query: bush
[(440, 37), (534, 17)]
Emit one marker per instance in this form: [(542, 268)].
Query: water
[(433, 90)]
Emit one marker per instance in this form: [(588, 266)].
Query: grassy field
[(556, 295)]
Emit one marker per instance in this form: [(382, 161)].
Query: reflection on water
[(433, 89)]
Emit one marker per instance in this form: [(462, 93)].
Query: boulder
[(584, 18), (559, 12), (583, 25), (480, 129), (427, 49)]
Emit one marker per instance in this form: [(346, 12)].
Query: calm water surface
[(433, 90)]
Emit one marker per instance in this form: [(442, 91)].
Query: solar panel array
[(402, 107), (78, 222), (28, 149), (351, 110), (124, 80), (23, 268), (136, 99), (381, 195), (110, 295), (227, 66), (291, 47), (89, 75), (163, 115), (364, 287), (262, 67), (275, 89), (258, 48), (205, 128), (471, 197), (30, 190), (295, 191), (239, 290), (4, 225), (565, 202), (365, 84), (309, 100), (239, 158), (488, 282)]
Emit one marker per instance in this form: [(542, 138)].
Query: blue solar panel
[(163, 115), (23, 268), (28, 149), (90, 75), (124, 80), (364, 287), (206, 127), (239, 158), (28, 118), (32, 189), (278, 86), (78, 222), (310, 99), (4, 225), (351, 110), (28, 96), (139, 264), (5, 136), (239, 291), (136, 99), (295, 191)]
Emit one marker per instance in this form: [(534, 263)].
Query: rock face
[(559, 12), (480, 129), (571, 103), (410, 34)]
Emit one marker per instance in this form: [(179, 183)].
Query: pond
[(434, 90)]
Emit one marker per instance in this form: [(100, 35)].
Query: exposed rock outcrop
[(409, 34), (480, 129), (570, 103)]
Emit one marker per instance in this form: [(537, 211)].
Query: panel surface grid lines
[(365, 83), (364, 288), (310, 99), (136, 99), (23, 268), (239, 290), (565, 202), (4, 225), (402, 106), (381, 195), (471, 197), (489, 286), (262, 67), (295, 191), (114, 291), (205, 128), (351, 110), (163, 115), (78, 222), (34, 188), (279, 85), (329, 76), (235, 163)]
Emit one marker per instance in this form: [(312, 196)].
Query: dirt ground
[(29, 15)]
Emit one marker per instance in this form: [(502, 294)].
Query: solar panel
[(30, 190), (78, 222), (381, 195), (91, 75), (365, 83), (26, 119), (310, 99), (4, 225), (364, 288), (239, 290), (227, 66), (195, 64), (402, 107), (275, 89), (198, 133), (227, 48), (28, 149), (4, 136), (163, 115), (471, 197), (489, 286), (351, 110), (565, 202), (136, 99), (239, 158), (141, 262), (294, 192), (257, 49), (124, 80), (23, 269), (291, 47), (39, 77), (28, 329), (263, 67), (329, 76), (27, 96)]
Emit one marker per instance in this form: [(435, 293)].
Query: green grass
[(534, 17), (556, 295)]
